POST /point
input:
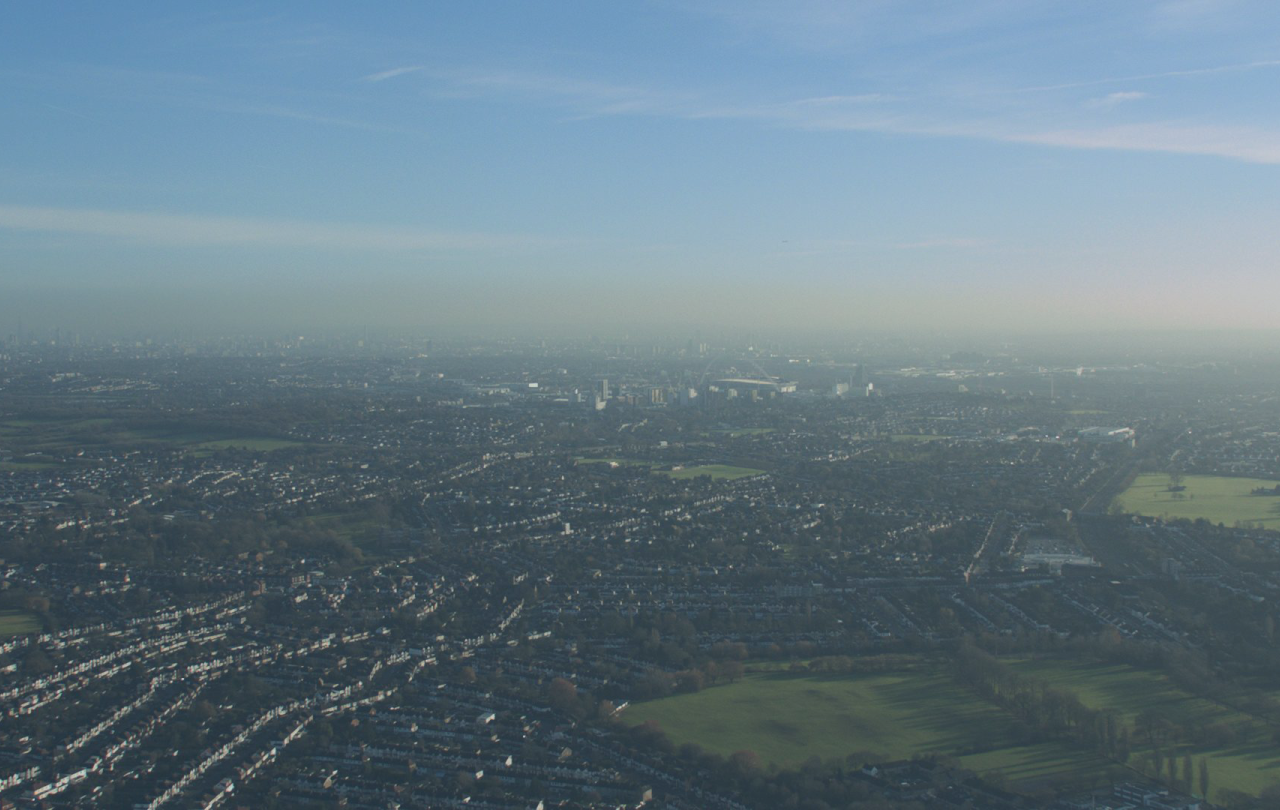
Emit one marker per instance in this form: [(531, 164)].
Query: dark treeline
[(816, 785), (1050, 712)]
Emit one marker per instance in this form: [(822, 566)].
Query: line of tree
[(659, 683), (1050, 713)]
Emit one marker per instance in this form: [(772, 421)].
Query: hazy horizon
[(813, 167)]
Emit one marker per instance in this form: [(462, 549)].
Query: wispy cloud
[(185, 90), (1236, 67), (902, 113), (204, 231), (392, 73), (1241, 143), (1113, 99)]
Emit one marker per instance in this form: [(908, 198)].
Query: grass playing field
[(1250, 764), (57, 436), (22, 466), (15, 622), (787, 719), (1218, 499)]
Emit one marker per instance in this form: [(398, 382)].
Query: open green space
[(246, 443), (716, 471), (1037, 764), (16, 622), (1250, 763), (23, 466), (59, 436), (917, 437), (61, 432), (54, 434), (1128, 690), (1216, 498), (788, 718)]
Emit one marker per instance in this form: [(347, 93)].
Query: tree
[(37, 663), (690, 680), (745, 762), (562, 694), (605, 709)]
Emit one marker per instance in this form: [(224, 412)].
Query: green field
[(716, 471), (734, 433), (247, 443), (15, 622), (1117, 686), (787, 719), (1251, 764), (917, 437), (1218, 499), (56, 436), (21, 466), (1047, 764)]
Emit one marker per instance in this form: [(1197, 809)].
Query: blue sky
[(985, 164)]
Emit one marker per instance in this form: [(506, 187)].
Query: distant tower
[(603, 391)]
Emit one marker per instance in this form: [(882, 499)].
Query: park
[(789, 717), (1218, 499)]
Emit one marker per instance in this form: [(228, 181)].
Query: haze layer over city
[(581, 166), (676, 405)]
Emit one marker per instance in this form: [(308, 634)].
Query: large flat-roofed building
[(747, 384), (1106, 435)]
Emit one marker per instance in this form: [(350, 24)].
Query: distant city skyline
[(581, 166)]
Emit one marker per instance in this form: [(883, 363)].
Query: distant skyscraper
[(860, 376), (603, 391)]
